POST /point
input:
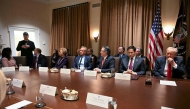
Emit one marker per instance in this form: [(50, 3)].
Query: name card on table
[(90, 73), (166, 107), (97, 100), (24, 68), (43, 69), (122, 76), (49, 90), (18, 83), (8, 69), (77, 70), (65, 71), (19, 105), (169, 83)]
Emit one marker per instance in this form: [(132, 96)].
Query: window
[(16, 35)]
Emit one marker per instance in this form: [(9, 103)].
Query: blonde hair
[(2, 86), (64, 50), (172, 49)]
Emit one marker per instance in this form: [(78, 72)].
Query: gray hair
[(172, 49)]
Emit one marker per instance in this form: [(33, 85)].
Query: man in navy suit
[(132, 64), (139, 53), (169, 66), (39, 59), (121, 51), (106, 63), (82, 61)]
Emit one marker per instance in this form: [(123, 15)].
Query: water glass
[(64, 66), (112, 103), (20, 65), (39, 65), (40, 99)]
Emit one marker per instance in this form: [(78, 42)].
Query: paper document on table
[(166, 107), (19, 105), (170, 83)]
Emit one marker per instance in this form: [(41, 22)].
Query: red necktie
[(169, 72), (103, 62), (35, 62), (131, 64)]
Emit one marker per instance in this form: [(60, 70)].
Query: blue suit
[(87, 62), (160, 65), (108, 65), (138, 65)]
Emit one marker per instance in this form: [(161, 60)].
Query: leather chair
[(71, 60), (48, 60), (117, 64), (20, 60)]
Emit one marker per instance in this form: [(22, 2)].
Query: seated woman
[(54, 57), (63, 60), (7, 59)]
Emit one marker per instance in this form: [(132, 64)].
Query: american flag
[(156, 38)]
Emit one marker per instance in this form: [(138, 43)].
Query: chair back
[(70, 61), (48, 60), (20, 60), (117, 64)]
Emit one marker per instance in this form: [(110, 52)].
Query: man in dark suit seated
[(169, 66), (139, 53), (82, 61), (132, 64), (39, 59), (121, 51), (188, 68), (90, 53), (106, 63)]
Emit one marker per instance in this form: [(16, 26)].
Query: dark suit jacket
[(160, 65), (41, 60), (147, 62), (188, 68), (138, 65), (123, 56), (87, 62), (109, 64), (61, 62), (26, 52)]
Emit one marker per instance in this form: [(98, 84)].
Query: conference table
[(130, 94)]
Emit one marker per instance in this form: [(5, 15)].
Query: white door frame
[(16, 28)]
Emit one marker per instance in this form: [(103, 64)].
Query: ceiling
[(49, 1)]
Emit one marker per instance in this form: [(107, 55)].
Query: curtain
[(187, 2), (126, 22), (70, 28)]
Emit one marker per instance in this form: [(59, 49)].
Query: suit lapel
[(163, 63), (125, 62), (135, 63)]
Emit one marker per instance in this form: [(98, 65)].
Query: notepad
[(19, 105), (169, 83)]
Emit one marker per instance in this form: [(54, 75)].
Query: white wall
[(25, 13)]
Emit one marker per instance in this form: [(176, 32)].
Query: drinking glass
[(39, 65), (40, 99), (112, 103), (20, 65), (64, 66)]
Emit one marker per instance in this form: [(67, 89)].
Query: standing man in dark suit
[(106, 63), (90, 53), (169, 66), (39, 59), (132, 64), (139, 53), (121, 54), (82, 61), (26, 47)]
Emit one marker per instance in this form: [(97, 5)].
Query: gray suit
[(138, 65)]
